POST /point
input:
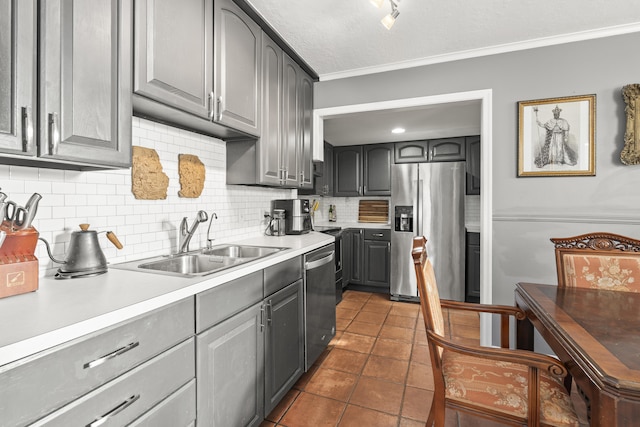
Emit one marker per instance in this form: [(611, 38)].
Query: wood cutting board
[(375, 211)]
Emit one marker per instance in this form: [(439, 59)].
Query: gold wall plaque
[(630, 154), (148, 181), (192, 175)]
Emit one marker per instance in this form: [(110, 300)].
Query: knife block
[(18, 264)]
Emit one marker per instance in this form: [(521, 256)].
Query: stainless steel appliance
[(320, 302), (276, 225), (297, 215), (336, 232), (428, 200)]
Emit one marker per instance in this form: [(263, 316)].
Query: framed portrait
[(556, 136)]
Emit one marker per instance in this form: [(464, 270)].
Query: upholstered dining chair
[(598, 260), (515, 387)]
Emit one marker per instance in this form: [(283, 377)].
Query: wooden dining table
[(596, 334)]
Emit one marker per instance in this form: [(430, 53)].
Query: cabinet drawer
[(132, 394), (39, 384), (280, 275), (377, 234), (177, 410), (217, 304)]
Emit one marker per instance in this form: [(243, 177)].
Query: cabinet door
[(17, 76), (473, 164), (284, 349), (290, 123), (347, 171), (412, 152), (377, 169), (447, 150), (230, 371), (238, 45), (270, 157), (472, 272), (306, 119), (324, 183), (173, 55), (85, 81), (353, 255), (376, 263)]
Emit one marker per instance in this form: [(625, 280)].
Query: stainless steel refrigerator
[(427, 199)]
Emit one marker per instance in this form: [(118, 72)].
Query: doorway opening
[(485, 98)]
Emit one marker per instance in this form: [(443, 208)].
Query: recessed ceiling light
[(397, 130)]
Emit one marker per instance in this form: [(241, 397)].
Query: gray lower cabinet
[(284, 349), (177, 410), (367, 257), (472, 268), (18, 103), (250, 348), (377, 257), (230, 371), (87, 378), (84, 83)]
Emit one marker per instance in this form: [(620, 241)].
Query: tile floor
[(376, 372)]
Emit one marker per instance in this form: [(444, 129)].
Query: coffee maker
[(297, 215)]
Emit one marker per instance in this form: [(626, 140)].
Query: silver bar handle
[(115, 411), (219, 106), (54, 133), (269, 312), (111, 355), (261, 318), (377, 234), (319, 262), (211, 111), (420, 213), (27, 129)]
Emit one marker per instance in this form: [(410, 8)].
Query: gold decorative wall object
[(630, 154), (148, 181), (192, 175)]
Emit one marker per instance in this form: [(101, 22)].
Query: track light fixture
[(390, 19)]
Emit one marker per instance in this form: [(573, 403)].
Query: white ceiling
[(341, 38)]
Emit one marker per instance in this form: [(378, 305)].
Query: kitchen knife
[(31, 209)]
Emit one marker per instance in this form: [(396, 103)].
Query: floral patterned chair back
[(598, 261)]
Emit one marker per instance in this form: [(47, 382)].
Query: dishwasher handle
[(310, 265)]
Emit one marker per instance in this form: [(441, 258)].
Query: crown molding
[(492, 50)]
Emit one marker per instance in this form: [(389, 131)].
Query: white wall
[(145, 227)]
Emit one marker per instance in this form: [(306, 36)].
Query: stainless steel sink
[(200, 262), (235, 251)]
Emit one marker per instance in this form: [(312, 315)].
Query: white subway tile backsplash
[(145, 227)]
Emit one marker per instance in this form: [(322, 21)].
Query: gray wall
[(529, 211)]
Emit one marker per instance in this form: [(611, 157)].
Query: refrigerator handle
[(419, 217)]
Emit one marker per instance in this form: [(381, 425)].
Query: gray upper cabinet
[(173, 56), (377, 159), (447, 149), (85, 81), (347, 169), (238, 46), (84, 78), (412, 152), (305, 117), (199, 57), (362, 170), (290, 123), (473, 162), (18, 76), (282, 155)]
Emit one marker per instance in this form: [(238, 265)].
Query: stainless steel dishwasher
[(320, 301)]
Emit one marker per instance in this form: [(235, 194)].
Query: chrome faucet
[(187, 234), (213, 215)]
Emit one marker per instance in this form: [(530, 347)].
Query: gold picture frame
[(556, 136), (630, 154)]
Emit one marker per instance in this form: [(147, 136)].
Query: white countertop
[(62, 310), (355, 224)]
